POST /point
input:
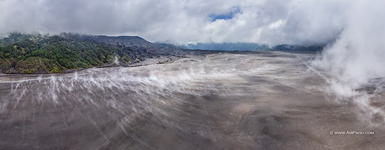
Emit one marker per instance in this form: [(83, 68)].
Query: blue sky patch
[(226, 16)]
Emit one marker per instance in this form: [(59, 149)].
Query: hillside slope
[(35, 53)]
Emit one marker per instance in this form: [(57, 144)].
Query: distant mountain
[(123, 40), (111, 40), (128, 42), (298, 48), (252, 47), (227, 46)]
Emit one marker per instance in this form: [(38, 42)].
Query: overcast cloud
[(182, 21)]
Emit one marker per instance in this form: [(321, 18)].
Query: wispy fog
[(354, 30), (358, 54)]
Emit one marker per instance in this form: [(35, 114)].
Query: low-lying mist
[(357, 56), (355, 61)]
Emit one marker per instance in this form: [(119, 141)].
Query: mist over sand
[(353, 30), (264, 101)]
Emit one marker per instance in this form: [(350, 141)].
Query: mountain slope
[(34, 53)]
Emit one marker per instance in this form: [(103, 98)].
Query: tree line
[(36, 53)]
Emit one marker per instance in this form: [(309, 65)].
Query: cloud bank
[(357, 56), (183, 21)]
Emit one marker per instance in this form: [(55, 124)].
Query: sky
[(182, 21)]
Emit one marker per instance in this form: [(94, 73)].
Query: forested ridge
[(36, 53)]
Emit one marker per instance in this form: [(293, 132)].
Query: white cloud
[(188, 21), (181, 21), (358, 54)]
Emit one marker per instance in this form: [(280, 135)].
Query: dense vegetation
[(36, 53)]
